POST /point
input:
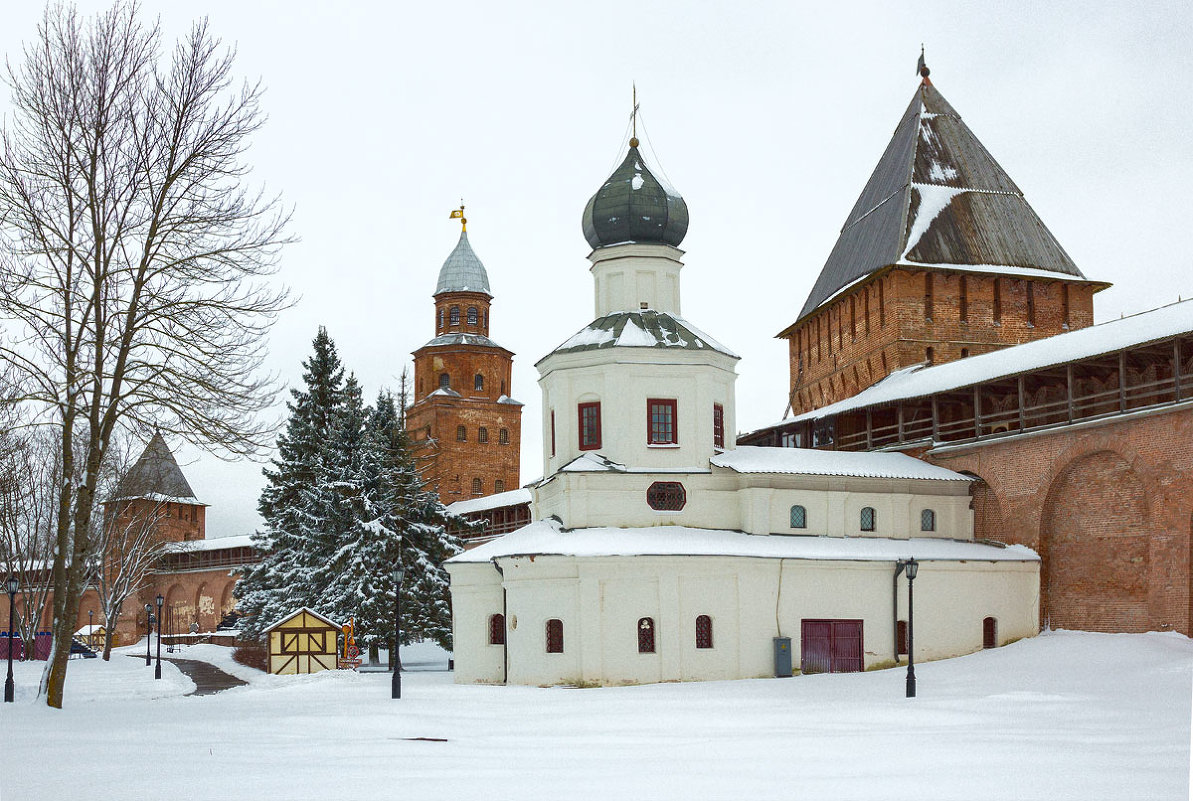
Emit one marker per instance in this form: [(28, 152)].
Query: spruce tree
[(294, 501)]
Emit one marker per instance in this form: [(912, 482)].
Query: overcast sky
[(767, 117)]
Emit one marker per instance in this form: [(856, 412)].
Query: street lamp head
[(148, 608), (13, 585), (160, 599), (399, 574), (912, 568)]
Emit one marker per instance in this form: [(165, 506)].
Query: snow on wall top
[(216, 544), (544, 538), (913, 382), (645, 328), (495, 501), (749, 459)]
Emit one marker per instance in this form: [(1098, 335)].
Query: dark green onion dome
[(634, 206), (463, 271)]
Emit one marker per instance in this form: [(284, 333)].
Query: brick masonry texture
[(1109, 508), (892, 320), (459, 444)]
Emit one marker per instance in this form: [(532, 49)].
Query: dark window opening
[(869, 519), (901, 637), (454, 316), (646, 636), (478, 383), (482, 435), (477, 487), (503, 436), (997, 310), (590, 426), (497, 629), (704, 631), (445, 381), (498, 486), (473, 317), (1031, 303), (461, 434), (927, 520), (928, 297), (989, 633), (552, 432), (554, 636), (718, 425), (661, 421), (964, 299)]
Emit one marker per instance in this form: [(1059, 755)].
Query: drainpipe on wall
[(895, 606), (505, 654)]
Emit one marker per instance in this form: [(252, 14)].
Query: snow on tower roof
[(918, 381), (937, 197), (800, 461), (545, 538)]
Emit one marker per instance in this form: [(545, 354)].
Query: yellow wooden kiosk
[(302, 642)]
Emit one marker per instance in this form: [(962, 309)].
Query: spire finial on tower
[(921, 68), (634, 118), (458, 214)]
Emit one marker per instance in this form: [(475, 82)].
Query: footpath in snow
[(1066, 715)]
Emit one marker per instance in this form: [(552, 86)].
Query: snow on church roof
[(918, 381), (802, 461), (544, 538), (645, 328)]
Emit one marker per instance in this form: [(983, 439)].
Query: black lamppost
[(12, 586), (157, 671), (148, 633), (912, 567), (396, 688)]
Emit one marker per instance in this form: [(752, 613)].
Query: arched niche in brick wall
[(1094, 546)]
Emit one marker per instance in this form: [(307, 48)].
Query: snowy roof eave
[(545, 538)]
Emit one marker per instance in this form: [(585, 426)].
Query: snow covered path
[(1063, 716)]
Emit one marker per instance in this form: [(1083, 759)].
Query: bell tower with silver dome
[(465, 427)]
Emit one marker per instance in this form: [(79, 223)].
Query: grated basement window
[(666, 496)]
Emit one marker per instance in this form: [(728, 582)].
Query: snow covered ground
[(1066, 715)]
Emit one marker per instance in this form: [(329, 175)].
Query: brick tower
[(941, 258), (466, 428), (155, 492)]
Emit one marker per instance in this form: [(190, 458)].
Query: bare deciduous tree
[(30, 475), (135, 278)]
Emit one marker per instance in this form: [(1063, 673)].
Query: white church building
[(662, 552)]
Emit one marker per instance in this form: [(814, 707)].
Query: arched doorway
[(1094, 547)]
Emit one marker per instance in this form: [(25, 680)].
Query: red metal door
[(831, 646)]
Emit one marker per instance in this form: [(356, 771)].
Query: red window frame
[(662, 421), (718, 425), (590, 429), (703, 631), (555, 636)]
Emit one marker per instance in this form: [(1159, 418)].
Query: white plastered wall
[(750, 600)]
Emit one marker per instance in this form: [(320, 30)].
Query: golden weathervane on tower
[(458, 214)]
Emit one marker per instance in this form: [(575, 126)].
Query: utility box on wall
[(782, 657)]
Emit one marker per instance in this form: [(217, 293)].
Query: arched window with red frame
[(703, 631), (646, 635), (555, 636)]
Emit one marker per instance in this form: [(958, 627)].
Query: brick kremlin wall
[(1108, 506)]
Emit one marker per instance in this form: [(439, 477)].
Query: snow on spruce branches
[(344, 503)]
